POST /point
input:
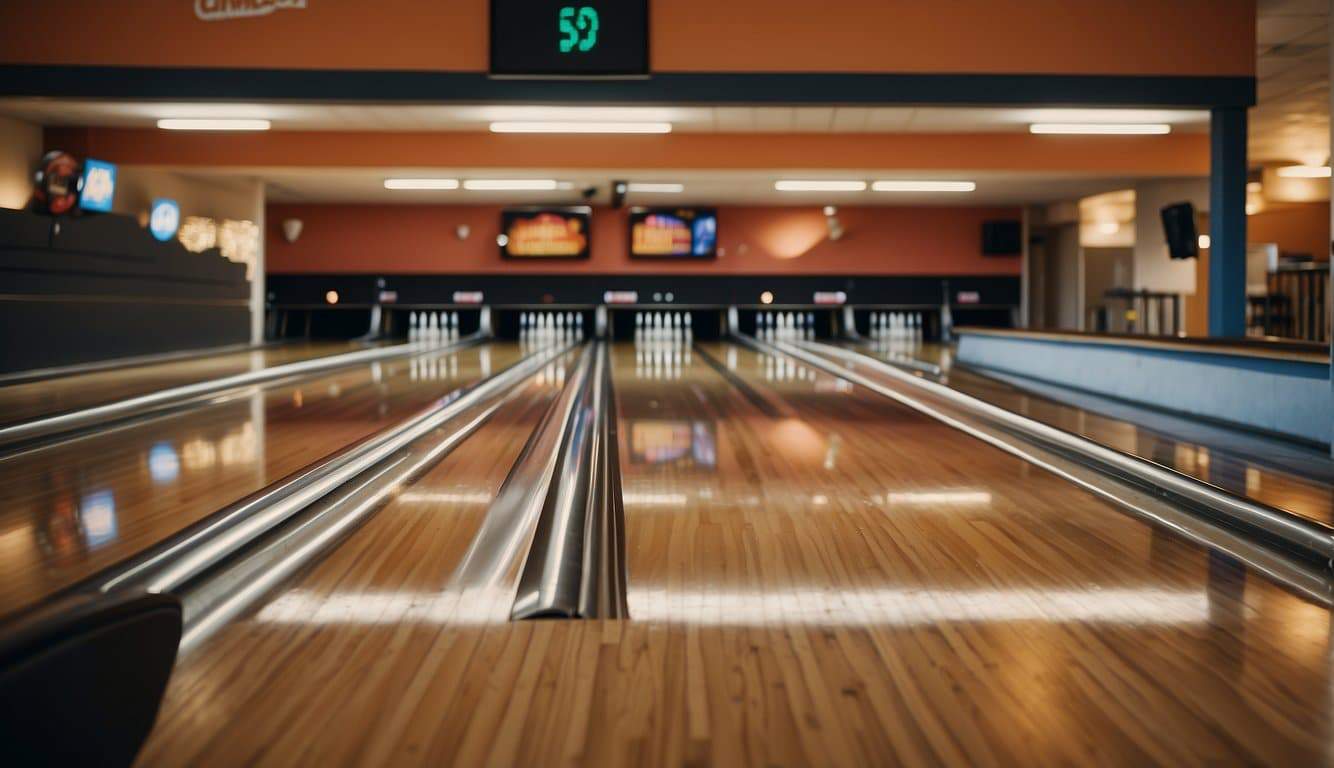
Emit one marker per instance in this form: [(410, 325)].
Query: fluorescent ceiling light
[(213, 124), (1102, 129), (1304, 172), (577, 126), (923, 186), (421, 183), (511, 185), (655, 187), (798, 185)]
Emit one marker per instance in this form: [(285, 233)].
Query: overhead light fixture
[(832, 185), (213, 124), (1101, 129), (1304, 172), (923, 186), (1108, 227), (575, 126), (421, 183), (511, 185), (1203, 241), (656, 188)]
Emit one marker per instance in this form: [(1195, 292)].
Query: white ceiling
[(477, 117), (1291, 121)]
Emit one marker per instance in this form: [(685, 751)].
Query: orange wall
[(752, 240), (1127, 37), (1296, 227), (1178, 154)]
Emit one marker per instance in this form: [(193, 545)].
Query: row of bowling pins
[(663, 325), (896, 325), (551, 324), (433, 326), (785, 325)]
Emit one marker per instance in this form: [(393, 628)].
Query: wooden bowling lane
[(817, 576), (835, 579), (354, 647), (74, 508), (30, 400), (1308, 492)]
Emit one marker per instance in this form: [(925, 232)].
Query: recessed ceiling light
[(575, 126), (421, 183), (832, 185), (511, 185), (656, 187), (1304, 172), (923, 186), (213, 124), (1101, 129)]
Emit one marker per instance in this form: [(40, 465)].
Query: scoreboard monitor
[(569, 38), (673, 233), (545, 233)]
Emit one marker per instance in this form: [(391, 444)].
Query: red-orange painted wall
[(1126, 37), (389, 239), (1296, 227)]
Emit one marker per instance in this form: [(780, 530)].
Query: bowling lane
[(849, 580), (1283, 475), (817, 577), (73, 508), (314, 674), (25, 401)]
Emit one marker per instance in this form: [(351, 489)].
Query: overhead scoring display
[(569, 38)]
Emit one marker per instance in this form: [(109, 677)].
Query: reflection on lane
[(832, 506), (72, 508), (1242, 463)]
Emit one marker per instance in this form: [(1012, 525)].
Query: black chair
[(81, 680)]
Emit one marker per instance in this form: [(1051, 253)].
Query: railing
[(1295, 305), (1137, 312)]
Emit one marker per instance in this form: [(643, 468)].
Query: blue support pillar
[(1227, 222)]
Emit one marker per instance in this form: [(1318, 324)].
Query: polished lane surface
[(300, 678), (816, 576), (73, 508), (1219, 462), (35, 399)]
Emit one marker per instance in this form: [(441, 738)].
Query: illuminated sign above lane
[(569, 38)]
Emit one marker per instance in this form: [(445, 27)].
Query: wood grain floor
[(817, 577), (74, 508), (1308, 497), (22, 402)]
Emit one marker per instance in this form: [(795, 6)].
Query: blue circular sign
[(164, 218)]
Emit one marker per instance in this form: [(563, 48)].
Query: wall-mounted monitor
[(1004, 237), (673, 233), (556, 38), (545, 233)]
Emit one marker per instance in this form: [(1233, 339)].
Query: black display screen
[(569, 38)]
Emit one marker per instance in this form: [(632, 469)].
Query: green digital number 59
[(579, 29)]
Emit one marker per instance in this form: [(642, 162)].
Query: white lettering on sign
[(830, 297), (468, 297), (620, 297), (221, 10), (969, 297)]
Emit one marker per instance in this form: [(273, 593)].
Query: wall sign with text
[(222, 10), (569, 38)]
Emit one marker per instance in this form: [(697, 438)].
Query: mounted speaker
[(1183, 239), (1002, 238), (618, 190)]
